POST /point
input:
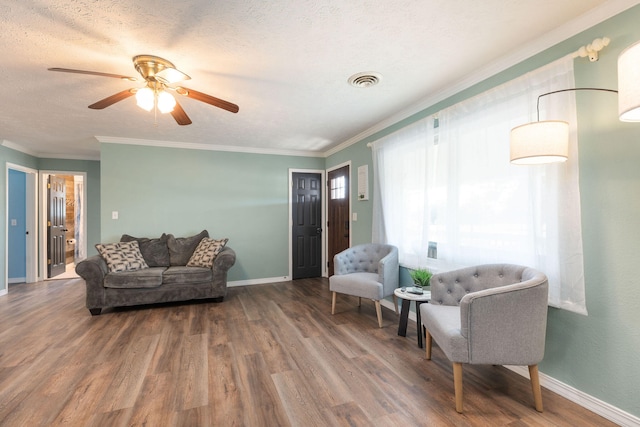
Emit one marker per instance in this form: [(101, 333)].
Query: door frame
[(31, 198), (44, 208), (323, 193), (350, 214)]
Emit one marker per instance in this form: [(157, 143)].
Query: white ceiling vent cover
[(366, 79)]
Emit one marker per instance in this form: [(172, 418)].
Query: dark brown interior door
[(56, 226), (337, 213), (307, 225)]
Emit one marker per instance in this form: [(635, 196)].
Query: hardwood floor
[(269, 355)]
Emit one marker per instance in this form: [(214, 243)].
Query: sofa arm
[(93, 270), (222, 263)]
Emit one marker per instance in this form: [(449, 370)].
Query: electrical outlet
[(114, 215), (14, 222)]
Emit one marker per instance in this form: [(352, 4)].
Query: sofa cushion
[(122, 256), (206, 252), (181, 248), (146, 278), (154, 251), (185, 275)]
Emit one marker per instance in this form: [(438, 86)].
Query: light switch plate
[(114, 215)]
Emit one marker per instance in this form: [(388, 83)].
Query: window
[(446, 182), (337, 186)]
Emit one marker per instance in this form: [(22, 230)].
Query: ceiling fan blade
[(181, 117), (104, 103), (94, 73), (212, 100)]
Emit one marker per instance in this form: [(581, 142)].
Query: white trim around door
[(31, 198), (323, 177), (43, 208)]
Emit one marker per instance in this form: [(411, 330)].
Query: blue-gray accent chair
[(489, 314), (367, 271)]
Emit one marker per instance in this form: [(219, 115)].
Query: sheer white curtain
[(448, 181)]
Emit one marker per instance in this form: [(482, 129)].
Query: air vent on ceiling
[(365, 79)]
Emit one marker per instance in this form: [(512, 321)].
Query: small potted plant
[(421, 277)]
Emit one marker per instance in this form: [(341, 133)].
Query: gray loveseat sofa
[(167, 278)]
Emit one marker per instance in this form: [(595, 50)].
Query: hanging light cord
[(568, 90)]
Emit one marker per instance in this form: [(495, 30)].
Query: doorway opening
[(21, 251), (63, 223)]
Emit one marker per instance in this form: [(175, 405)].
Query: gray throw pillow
[(181, 248), (154, 251)]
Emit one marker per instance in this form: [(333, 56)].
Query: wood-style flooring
[(269, 355)]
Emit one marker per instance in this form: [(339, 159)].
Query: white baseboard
[(583, 399), (17, 280), (257, 281), (3, 292)]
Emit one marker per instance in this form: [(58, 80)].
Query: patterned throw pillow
[(206, 252), (122, 256)]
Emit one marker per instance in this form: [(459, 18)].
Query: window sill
[(433, 265)]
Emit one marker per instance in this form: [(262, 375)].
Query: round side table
[(406, 298)]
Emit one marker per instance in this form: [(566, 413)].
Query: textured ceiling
[(285, 63)]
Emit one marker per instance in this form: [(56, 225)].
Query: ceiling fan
[(158, 74)]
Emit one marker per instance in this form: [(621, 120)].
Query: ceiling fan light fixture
[(171, 75), (145, 98), (166, 102)]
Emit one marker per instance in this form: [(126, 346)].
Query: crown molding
[(570, 29), (43, 155), (18, 147), (206, 147), (68, 156)]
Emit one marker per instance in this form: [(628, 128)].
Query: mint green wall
[(598, 353), (92, 169), (237, 195)]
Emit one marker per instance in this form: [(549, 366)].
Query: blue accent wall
[(8, 155), (17, 254)]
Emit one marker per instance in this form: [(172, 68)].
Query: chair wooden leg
[(333, 303), (427, 344), (359, 301), (395, 303), (535, 386), (379, 313), (457, 385)]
